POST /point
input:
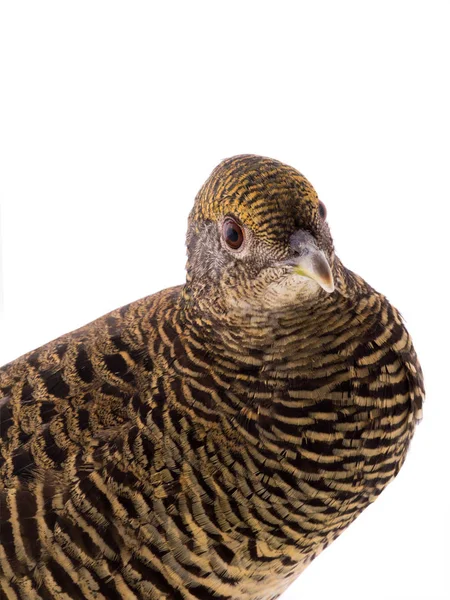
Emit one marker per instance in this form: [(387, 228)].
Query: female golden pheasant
[(211, 440)]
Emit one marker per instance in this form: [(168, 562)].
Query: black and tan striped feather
[(164, 451)]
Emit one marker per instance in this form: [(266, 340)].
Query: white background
[(112, 116)]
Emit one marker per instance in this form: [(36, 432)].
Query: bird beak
[(310, 261), (314, 265)]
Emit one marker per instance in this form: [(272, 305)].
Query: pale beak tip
[(314, 265), (328, 286)]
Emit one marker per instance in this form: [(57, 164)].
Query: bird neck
[(236, 328)]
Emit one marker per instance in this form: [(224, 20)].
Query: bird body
[(211, 440)]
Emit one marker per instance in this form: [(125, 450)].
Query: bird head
[(258, 237)]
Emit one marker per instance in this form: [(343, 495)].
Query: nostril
[(301, 237), (300, 241)]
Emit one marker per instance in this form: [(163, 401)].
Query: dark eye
[(322, 210), (232, 233)]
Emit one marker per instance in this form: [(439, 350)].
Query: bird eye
[(232, 233), (322, 210)]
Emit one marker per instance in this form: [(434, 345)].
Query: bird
[(212, 439)]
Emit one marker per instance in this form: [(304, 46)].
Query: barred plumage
[(210, 440)]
